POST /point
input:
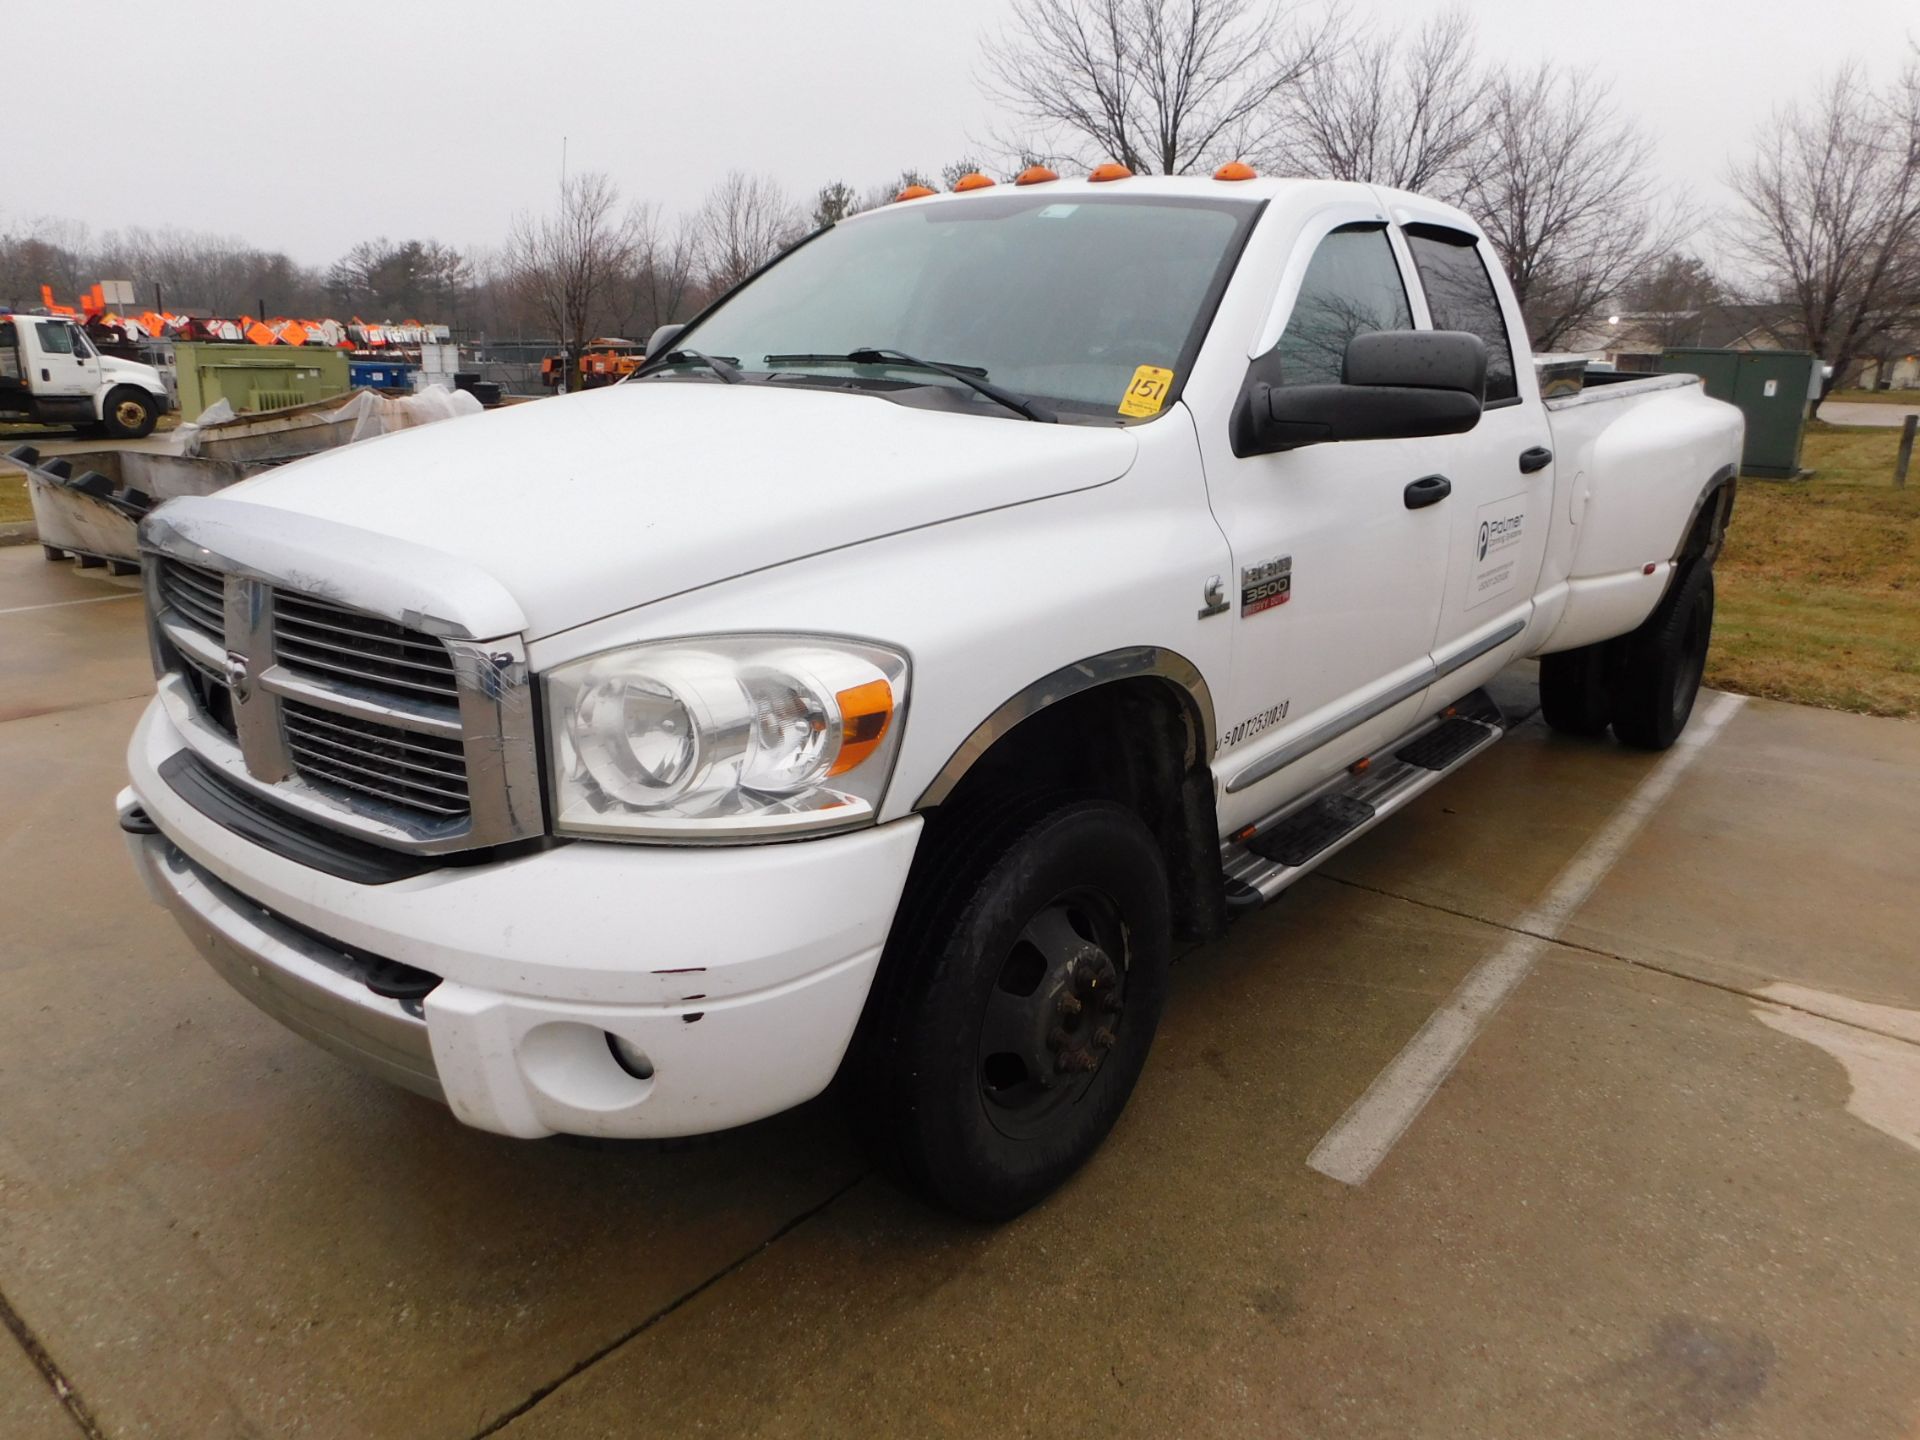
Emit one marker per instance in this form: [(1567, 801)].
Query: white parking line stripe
[(1375, 1122), (57, 604)]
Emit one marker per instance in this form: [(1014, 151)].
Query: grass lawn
[(13, 496), (1818, 590), (1908, 398)]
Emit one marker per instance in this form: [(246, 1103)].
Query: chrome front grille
[(316, 635), (197, 597), (350, 717), (400, 767)]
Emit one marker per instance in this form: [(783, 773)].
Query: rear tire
[(1573, 691), (1657, 669), (1018, 1000), (130, 413)]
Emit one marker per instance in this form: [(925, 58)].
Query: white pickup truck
[(51, 373), (983, 602)]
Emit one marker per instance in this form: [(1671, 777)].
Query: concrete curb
[(19, 532)]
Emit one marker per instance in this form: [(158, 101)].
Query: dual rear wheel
[(1644, 684)]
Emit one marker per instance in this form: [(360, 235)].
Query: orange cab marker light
[(865, 713), (1236, 170), (914, 192), (1360, 767), (1035, 175), (1112, 170), (975, 181)]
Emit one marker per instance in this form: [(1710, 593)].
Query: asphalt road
[(1868, 412), (1670, 1188)]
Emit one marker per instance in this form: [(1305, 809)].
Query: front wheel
[(1021, 1000), (130, 413)]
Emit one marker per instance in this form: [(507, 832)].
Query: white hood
[(114, 370), (591, 504)]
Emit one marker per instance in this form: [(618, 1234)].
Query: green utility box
[(256, 377), (1771, 387)]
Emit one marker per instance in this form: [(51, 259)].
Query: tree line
[(1825, 225)]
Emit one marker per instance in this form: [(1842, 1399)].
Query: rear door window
[(1352, 287), (1461, 296)]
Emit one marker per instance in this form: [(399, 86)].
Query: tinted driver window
[(1461, 296), (1352, 287), (55, 339)]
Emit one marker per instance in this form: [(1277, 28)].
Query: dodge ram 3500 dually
[(988, 598)]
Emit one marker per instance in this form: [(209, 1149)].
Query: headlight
[(724, 738)]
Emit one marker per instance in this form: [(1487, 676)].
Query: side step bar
[(1266, 858)]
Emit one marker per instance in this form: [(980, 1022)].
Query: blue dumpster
[(379, 375)]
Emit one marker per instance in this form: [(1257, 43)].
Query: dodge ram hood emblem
[(237, 677)]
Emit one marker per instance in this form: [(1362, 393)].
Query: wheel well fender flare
[(1133, 662), (1706, 527)]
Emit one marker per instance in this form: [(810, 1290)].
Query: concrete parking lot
[(1671, 1188)]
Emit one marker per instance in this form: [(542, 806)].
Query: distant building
[(1635, 341)]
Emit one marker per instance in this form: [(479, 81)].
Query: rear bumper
[(738, 972)]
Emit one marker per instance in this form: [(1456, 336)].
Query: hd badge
[(1266, 585)]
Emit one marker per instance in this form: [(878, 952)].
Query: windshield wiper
[(723, 368), (972, 376)]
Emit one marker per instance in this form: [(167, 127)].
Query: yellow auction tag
[(1147, 391)]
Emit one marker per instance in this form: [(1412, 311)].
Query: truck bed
[(1603, 385)]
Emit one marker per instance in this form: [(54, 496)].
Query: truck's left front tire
[(130, 413), (1025, 985)]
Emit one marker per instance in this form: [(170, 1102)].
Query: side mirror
[(1396, 385), (658, 342)]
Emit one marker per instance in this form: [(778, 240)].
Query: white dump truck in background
[(987, 600), (51, 373)]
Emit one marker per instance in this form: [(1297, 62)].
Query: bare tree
[(1564, 187), (1670, 301), (745, 221), (1830, 214), (664, 287), (1167, 86), (568, 264), (1395, 108)]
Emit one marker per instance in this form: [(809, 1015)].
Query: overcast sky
[(419, 118)]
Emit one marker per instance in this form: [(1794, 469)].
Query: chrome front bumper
[(317, 992)]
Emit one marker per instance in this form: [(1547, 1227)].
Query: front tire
[(1658, 668), (130, 413), (1019, 1000)]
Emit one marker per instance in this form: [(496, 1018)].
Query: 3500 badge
[(1266, 585)]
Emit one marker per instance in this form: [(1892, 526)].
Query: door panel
[(1502, 471), (67, 360), (1337, 577)]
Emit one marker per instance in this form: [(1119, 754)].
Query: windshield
[(1064, 302)]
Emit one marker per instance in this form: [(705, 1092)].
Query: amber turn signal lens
[(1235, 170), (914, 192), (1112, 170), (975, 181), (1034, 175), (865, 713)]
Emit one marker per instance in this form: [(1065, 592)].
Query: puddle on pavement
[(1878, 1044)]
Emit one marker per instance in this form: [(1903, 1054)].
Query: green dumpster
[(256, 377), (1771, 387)]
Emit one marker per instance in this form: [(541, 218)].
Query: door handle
[(1428, 490), (1537, 458)]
